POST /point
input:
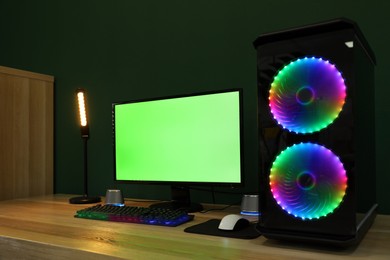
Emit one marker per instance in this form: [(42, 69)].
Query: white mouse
[(233, 222)]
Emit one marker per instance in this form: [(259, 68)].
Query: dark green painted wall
[(122, 49)]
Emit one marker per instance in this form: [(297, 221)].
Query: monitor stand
[(84, 200), (180, 200)]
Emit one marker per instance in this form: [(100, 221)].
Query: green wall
[(120, 50)]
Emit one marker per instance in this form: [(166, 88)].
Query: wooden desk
[(44, 228)]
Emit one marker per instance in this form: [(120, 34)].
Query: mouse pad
[(210, 227)]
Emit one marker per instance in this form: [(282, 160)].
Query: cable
[(141, 200), (219, 209), (223, 192)]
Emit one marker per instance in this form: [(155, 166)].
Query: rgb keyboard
[(140, 215)]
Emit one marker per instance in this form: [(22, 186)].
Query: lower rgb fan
[(307, 95), (308, 181)]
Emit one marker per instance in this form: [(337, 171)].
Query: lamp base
[(84, 200)]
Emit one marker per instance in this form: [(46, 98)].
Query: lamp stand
[(85, 199)]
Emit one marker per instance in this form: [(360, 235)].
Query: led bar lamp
[(84, 127)]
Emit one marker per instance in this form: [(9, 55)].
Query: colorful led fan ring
[(307, 95), (308, 181)]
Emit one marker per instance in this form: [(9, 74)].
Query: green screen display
[(192, 139)]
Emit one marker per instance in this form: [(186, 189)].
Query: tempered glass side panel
[(365, 132)]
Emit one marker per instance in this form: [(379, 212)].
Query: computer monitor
[(181, 141)]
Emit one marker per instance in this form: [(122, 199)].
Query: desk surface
[(44, 228)]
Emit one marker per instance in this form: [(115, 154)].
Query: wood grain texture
[(45, 228), (26, 133)]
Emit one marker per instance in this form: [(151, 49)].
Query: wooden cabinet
[(26, 133)]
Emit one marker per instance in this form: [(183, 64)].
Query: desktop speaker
[(316, 127)]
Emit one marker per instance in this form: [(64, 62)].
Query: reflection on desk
[(45, 228)]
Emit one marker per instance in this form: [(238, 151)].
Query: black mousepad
[(210, 227)]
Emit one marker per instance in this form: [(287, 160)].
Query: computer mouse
[(233, 222)]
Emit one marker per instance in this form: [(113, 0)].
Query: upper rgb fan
[(307, 95), (308, 181)]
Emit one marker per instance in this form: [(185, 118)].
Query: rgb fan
[(308, 181), (307, 95)]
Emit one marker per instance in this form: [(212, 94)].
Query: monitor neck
[(181, 199)]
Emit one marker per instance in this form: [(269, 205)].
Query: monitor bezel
[(184, 183)]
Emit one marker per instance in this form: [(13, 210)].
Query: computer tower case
[(316, 126)]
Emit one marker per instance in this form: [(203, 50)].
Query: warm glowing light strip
[(82, 111)]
